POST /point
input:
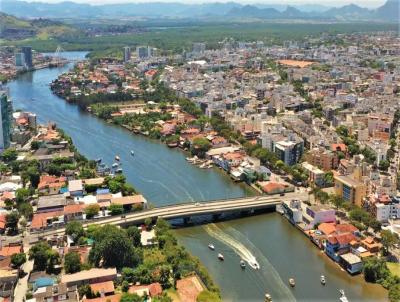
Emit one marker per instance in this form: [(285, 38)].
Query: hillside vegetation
[(42, 29)]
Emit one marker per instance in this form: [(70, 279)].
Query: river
[(164, 176)]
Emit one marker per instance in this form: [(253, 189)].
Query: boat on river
[(117, 158), (98, 160), (343, 297), (268, 298), (119, 170), (132, 153), (323, 281), (242, 264), (254, 265), (292, 283), (221, 257), (115, 165), (211, 246)]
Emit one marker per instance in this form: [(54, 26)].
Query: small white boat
[(132, 153), (268, 298), (292, 283), (254, 264), (119, 170), (98, 160), (115, 165), (242, 264), (323, 281), (221, 257), (343, 297), (117, 158), (211, 246)]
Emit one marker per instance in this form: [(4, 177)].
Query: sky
[(364, 3)]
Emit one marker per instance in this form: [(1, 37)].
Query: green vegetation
[(181, 35), (44, 257), (18, 259), (72, 263)]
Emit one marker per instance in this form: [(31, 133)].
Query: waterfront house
[(351, 263), (338, 244), (130, 202), (314, 215)]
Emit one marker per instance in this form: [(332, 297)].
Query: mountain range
[(387, 12)]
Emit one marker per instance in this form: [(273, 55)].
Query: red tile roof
[(155, 289), (112, 298), (103, 287)]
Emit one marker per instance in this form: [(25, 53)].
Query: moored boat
[(98, 160), (132, 153), (211, 246), (117, 157), (119, 170), (242, 264), (323, 281), (221, 257), (343, 297), (115, 165), (292, 283), (268, 298)]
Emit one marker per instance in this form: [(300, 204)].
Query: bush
[(207, 296)]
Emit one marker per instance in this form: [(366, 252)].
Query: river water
[(164, 177)]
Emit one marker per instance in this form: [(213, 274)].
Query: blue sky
[(365, 3)]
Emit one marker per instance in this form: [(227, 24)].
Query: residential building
[(315, 175), (350, 189), (143, 52), (6, 119), (27, 51), (322, 158), (127, 54), (351, 263), (289, 151), (94, 275), (199, 47)]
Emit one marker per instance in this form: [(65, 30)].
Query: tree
[(116, 209), (375, 270), (200, 146), (328, 179), (92, 210), (26, 210), (279, 165), (40, 254), (18, 259), (72, 263), (35, 145), (113, 248), (389, 239), (134, 234), (337, 201), (86, 291), (22, 195), (147, 222), (384, 165), (9, 155), (394, 293), (126, 297), (12, 222), (75, 230)]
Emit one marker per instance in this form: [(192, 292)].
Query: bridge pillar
[(186, 220)]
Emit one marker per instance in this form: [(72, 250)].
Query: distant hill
[(387, 12), (14, 28), (390, 10)]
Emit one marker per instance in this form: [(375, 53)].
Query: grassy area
[(394, 268)]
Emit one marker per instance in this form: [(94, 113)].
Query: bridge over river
[(188, 210)]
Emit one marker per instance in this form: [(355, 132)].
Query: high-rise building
[(19, 59), (127, 54), (199, 47), (27, 51), (143, 52), (6, 119)]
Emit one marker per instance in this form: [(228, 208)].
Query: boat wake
[(267, 277), (216, 232)]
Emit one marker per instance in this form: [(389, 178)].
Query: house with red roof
[(152, 290)]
